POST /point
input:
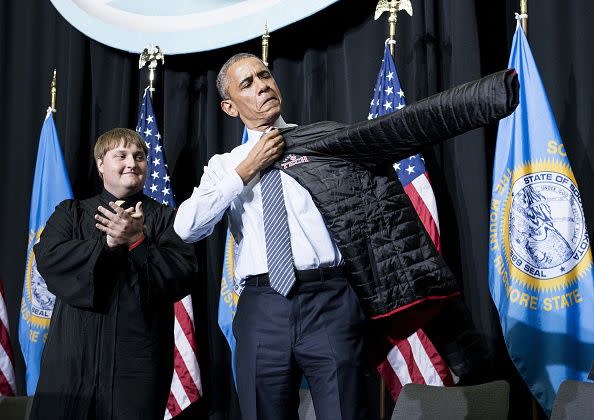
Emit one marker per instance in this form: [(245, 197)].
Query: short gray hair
[(223, 78)]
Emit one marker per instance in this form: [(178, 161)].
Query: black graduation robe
[(109, 350)]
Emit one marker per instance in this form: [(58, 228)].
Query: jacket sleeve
[(406, 132)]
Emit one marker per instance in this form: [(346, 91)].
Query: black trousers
[(317, 331)]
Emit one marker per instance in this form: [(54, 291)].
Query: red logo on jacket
[(292, 160)]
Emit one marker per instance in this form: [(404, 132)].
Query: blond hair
[(116, 137)]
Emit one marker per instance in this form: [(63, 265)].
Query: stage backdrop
[(324, 73)]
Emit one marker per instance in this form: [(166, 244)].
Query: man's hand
[(124, 227), (268, 149)]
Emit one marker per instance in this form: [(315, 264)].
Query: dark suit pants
[(315, 331)]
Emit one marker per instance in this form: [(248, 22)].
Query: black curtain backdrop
[(326, 66)]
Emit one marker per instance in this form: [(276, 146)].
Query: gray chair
[(489, 401), (15, 408), (575, 400)]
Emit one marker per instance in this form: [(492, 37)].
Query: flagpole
[(524, 22), (382, 401), (393, 7), (53, 91), (524, 12), (265, 38), (392, 23), (392, 18)]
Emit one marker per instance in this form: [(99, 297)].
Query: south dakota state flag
[(540, 258), (50, 187), (228, 297)]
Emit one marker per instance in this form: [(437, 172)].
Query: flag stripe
[(173, 408), (399, 363), (5, 386), (4, 333), (423, 361), (390, 378), (187, 390), (185, 324), (3, 315), (437, 365), (186, 386), (187, 302), (5, 339), (188, 371), (425, 191), (413, 359), (424, 215), (7, 378), (6, 360), (406, 348)]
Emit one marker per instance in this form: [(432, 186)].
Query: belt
[(316, 274)]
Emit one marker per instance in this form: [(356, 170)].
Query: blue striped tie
[(276, 233)]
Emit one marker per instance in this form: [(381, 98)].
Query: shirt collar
[(254, 135)]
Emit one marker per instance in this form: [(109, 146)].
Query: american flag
[(7, 382), (186, 386), (415, 359)]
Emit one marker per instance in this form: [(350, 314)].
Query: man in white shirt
[(312, 326)]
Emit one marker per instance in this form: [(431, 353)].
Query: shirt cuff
[(135, 244)]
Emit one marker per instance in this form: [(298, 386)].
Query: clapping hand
[(124, 227)]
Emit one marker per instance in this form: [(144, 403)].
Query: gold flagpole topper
[(392, 7), (151, 55)]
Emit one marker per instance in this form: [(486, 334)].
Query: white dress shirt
[(221, 189)]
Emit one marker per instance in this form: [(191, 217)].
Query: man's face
[(253, 94), (123, 170)]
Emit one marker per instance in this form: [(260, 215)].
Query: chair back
[(489, 401), (15, 408), (575, 400)]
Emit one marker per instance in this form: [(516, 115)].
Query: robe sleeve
[(164, 267), (69, 266)]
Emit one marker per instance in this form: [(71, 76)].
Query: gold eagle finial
[(384, 6)]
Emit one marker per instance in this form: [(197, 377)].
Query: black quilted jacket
[(348, 171)]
